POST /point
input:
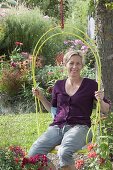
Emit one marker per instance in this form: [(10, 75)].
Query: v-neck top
[(75, 109)]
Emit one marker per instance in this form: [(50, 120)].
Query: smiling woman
[(73, 99)]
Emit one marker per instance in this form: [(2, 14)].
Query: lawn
[(22, 129)]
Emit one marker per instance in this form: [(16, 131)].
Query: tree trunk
[(104, 33)]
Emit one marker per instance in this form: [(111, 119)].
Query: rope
[(61, 14)]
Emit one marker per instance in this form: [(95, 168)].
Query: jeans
[(70, 138)]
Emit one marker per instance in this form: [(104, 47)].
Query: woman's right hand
[(36, 92)]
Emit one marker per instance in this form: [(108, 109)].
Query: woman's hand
[(99, 95), (104, 106), (36, 92)]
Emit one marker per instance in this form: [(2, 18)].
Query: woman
[(73, 98)]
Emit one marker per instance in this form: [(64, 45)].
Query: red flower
[(42, 159), (17, 151), (18, 43), (16, 160), (92, 154), (13, 64), (79, 163), (25, 161), (34, 159)]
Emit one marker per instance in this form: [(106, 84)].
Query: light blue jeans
[(71, 139)]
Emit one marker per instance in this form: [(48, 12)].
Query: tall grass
[(21, 129)]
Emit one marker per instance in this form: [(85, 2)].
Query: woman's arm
[(36, 92), (99, 95)]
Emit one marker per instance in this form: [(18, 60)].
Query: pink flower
[(79, 163), (25, 54), (50, 73), (76, 42), (91, 146), (18, 43), (92, 154)]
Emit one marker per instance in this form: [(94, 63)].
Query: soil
[(54, 158)]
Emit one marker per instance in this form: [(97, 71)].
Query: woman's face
[(74, 66)]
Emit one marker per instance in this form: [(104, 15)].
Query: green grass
[(21, 129)]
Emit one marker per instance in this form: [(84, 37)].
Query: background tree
[(49, 7), (104, 35)]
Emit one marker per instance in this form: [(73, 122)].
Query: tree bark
[(104, 35)]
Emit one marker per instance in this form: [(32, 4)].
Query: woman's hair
[(72, 52)]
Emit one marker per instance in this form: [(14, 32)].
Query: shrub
[(97, 157), (18, 28), (11, 158), (13, 72), (11, 81), (15, 78)]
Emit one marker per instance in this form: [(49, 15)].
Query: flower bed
[(15, 158)]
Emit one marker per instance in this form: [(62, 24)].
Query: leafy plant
[(50, 8), (14, 158), (13, 75), (11, 158)]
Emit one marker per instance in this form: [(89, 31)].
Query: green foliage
[(11, 81), (11, 158), (98, 157), (2, 32), (7, 3), (49, 7), (108, 129), (17, 28), (15, 158), (78, 14), (13, 76), (91, 9), (109, 5)]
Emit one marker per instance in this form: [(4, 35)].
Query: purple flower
[(84, 47), (76, 42), (65, 42), (25, 54)]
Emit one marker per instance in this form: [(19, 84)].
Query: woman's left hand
[(99, 95)]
